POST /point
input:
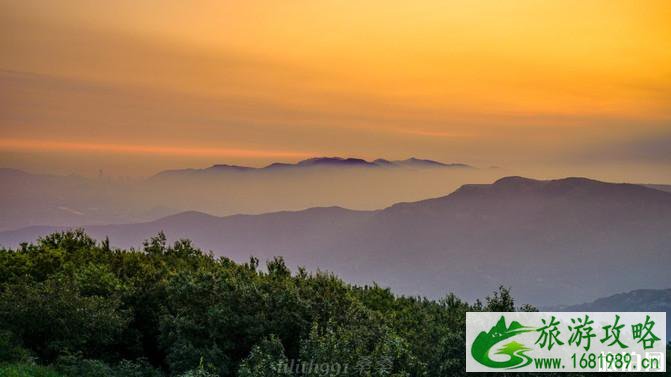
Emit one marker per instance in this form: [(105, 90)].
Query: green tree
[(266, 359)]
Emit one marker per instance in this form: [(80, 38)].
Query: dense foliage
[(70, 306)]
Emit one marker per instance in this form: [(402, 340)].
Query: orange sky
[(211, 81)]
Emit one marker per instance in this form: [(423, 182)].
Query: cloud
[(70, 146)]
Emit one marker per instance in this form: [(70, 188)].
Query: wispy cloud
[(37, 145), (442, 134)]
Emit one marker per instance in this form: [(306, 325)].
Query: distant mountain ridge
[(666, 188), (556, 241), (640, 300), (325, 162), (38, 199), (653, 300)]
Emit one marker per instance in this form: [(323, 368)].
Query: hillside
[(654, 300), (640, 300), (566, 240)]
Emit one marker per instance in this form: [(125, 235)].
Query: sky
[(132, 87)]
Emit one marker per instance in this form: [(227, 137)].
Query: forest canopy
[(72, 306)]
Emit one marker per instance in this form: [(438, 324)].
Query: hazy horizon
[(615, 173)]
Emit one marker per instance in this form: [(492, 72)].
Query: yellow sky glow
[(67, 146), (488, 81)]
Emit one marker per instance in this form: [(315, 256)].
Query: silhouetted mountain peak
[(187, 214), (334, 161), (419, 161), (315, 162), (519, 190), (567, 186), (516, 181), (224, 167), (279, 165), (187, 217), (383, 162)]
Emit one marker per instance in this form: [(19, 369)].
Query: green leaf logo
[(485, 341)]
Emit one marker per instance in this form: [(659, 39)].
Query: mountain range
[(316, 162), (566, 240), (39, 199), (639, 300)]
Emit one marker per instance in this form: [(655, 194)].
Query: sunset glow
[(61, 146), (486, 82)]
